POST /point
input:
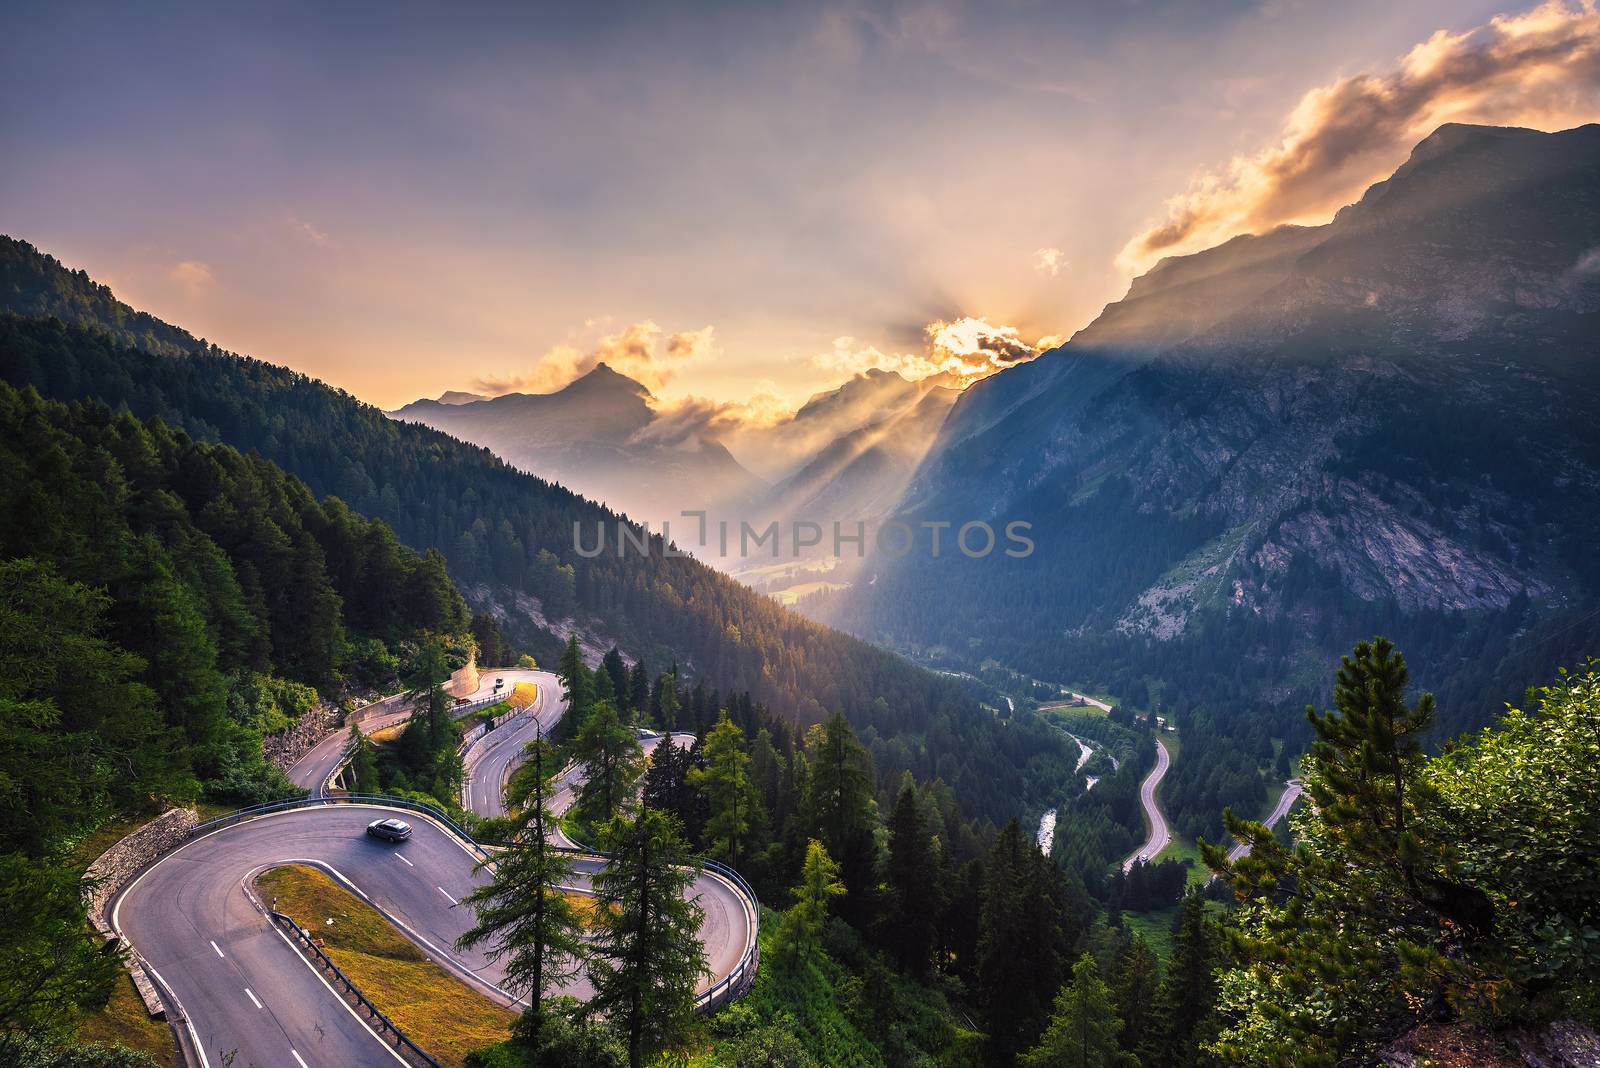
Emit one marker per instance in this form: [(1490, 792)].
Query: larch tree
[(646, 957), (613, 761), (725, 783), (523, 915), (1083, 1025), (800, 934)]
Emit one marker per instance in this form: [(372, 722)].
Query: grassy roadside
[(436, 1010), (124, 1021)]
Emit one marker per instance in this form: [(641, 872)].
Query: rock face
[(284, 749), (1387, 418)]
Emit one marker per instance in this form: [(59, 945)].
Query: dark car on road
[(390, 830)]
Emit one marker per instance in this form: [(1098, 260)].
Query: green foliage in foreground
[(1465, 886), (19, 1050), (844, 1007)]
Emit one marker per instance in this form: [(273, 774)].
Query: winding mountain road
[(1291, 793), (1160, 836), (246, 996)]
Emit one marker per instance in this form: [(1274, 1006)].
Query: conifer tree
[(613, 761), (363, 762), (913, 883), (800, 935), (1083, 1025), (577, 689), (522, 913), (617, 673), (839, 811), (1186, 1005), (725, 783), (647, 959), (1135, 986)]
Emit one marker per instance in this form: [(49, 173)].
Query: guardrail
[(386, 1025), (730, 986)]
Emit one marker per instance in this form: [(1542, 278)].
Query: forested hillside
[(232, 590), (165, 604), (512, 534)]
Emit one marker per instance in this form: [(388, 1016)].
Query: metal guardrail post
[(715, 996), (307, 942)]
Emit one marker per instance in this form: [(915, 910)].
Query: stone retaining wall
[(112, 870), (118, 864), (284, 749)]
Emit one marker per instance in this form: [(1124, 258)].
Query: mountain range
[(508, 537), (847, 454), (1269, 448)]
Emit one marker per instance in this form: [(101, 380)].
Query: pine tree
[(613, 761), (665, 702), (639, 691), (1186, 1006), (725, 784), (839, 811), (363, 763), (666, 784), (428, 746), (1135, 984), (1026, 916), (1083, 1025), (577, 688), (1332, 979), (913, 883), (522, 912), (617, 673), (800, 934), (647, 959)]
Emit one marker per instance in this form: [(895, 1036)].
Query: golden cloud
[(1050, 261), (961, 352), (636, 351), (1539, 69)]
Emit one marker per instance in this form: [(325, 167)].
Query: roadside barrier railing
[(385, 1026), (735, 983)]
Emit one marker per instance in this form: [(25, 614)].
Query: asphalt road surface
[(311, 771), (1291, 793), (1160, 836), (248, 997)]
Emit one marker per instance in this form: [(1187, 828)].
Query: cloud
[(684, 423), (195, 277), (1050, 261), (961, 352), (301, 228), (636, 351), (1539, 69)]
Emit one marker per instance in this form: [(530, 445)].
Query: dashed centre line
[(447, 896), (253, 997), (404, 861), (218, 949)]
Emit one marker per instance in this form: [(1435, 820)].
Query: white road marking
[(299, 1059), (218, 949), (253, 997), (407, 862), (447, 896)]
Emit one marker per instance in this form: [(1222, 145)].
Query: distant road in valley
[(1160, 836), (1291, 793)]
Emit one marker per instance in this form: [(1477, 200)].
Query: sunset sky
[(726, 200)]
